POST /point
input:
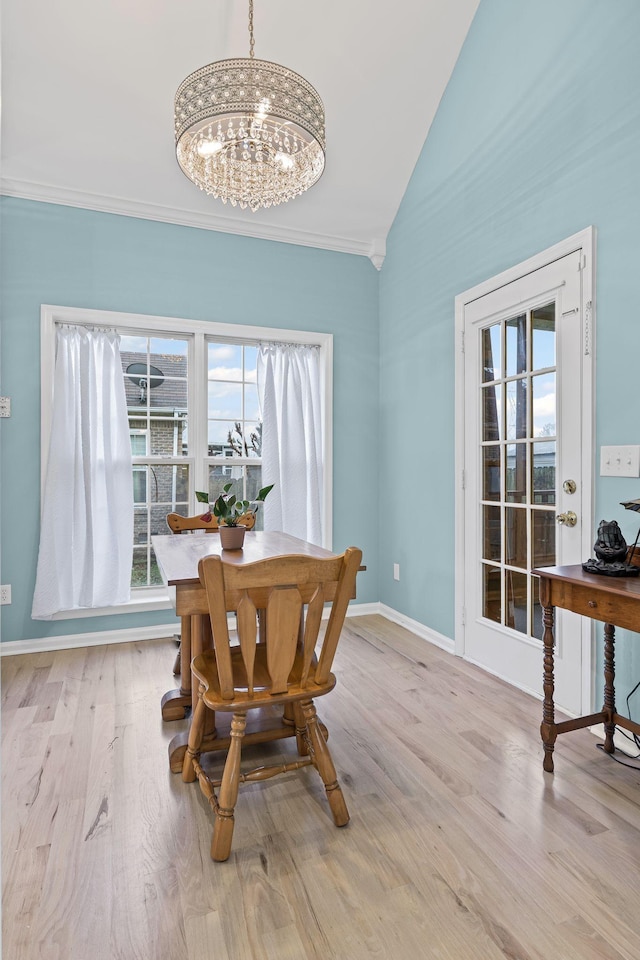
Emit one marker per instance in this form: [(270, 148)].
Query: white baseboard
[(96, 639), (620, 742), (125, 635), (426, 633), (362, 609)]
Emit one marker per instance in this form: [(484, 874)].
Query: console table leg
[(548, 725), (609, 707)]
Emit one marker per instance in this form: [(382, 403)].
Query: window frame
[(198, 333)]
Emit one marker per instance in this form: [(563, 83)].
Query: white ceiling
[(87, 104)]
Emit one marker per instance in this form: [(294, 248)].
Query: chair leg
[(323, 763), (228, 793), (301, 731), (196, 732)]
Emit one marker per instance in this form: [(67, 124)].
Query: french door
[(525, 479)]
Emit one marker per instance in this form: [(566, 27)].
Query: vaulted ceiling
[(87, 104)]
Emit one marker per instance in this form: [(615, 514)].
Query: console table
[(615, 601)]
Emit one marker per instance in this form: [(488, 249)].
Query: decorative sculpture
[(611, 550)]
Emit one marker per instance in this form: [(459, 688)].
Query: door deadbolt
[(569, 519), (569, 486)]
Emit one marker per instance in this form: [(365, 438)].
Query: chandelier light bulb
[(206, 148)]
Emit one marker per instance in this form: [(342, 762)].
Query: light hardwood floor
[(459, 846)]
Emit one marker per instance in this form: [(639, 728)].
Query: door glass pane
[(491, 413), (491, 473), (516, 601), (543, 480), (516, 536), (518, 438), (516, 467), (516, 409), (544, 405), (491, 587), (543, 336), (492, 533), (516, 345), (491, 352), (544, 538)]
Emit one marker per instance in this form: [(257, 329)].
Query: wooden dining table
[(178, 558)]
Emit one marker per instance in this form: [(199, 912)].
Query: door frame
[(585, 240)]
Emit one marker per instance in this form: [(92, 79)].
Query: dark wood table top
[(178, 555), (620, 586)]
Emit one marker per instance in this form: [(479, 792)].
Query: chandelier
[(249, 131)]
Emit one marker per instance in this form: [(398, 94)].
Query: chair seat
[(204, 667)]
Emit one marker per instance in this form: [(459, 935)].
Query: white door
[(526, 482)]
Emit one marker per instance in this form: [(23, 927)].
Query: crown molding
[(47, 193)]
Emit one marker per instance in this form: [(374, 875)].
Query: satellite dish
[(146, 377)]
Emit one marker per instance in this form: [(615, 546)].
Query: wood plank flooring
[(459, 846)]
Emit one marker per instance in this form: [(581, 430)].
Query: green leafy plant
[(228, 509), (203, 497)]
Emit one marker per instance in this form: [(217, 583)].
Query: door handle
[(569, 519)]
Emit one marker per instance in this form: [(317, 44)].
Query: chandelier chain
[(251, 40)]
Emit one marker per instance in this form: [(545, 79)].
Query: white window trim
[(147, 598)]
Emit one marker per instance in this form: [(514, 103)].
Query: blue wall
[(62, 255), (537, 136)]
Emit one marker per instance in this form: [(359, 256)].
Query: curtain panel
[(86, 531), (292, 446)]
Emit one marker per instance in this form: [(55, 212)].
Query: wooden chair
[(208, 523), (283, 670)]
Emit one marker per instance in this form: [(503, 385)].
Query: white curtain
[(289, 390), (86, 531)]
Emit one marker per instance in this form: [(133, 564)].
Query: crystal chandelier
[(249, 131)]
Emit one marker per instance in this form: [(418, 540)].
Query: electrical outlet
[(396, 571), (5, 593), (5, 406)]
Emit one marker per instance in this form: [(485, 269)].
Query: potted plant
[(229, 510)]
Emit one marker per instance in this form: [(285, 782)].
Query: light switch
[(620, 461)]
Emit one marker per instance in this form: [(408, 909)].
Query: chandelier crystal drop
[(249, 131)]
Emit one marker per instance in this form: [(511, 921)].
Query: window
[(234, 428), (194, 420), (155, 372)]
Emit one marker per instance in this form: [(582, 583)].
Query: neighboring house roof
[(167, 393)]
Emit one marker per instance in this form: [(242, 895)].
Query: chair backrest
[(206, 521), (282, 587)]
